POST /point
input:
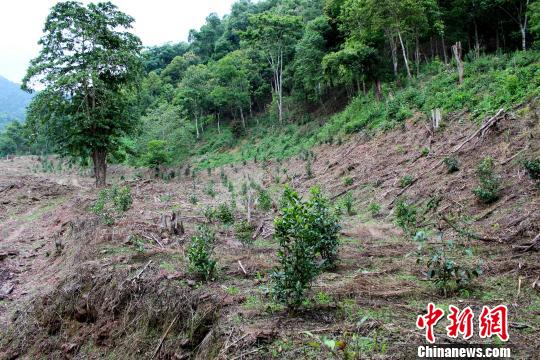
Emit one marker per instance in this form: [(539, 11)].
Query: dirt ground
[(73, 287)]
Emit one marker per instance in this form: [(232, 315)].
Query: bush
[(210, 214), (449, 273), (374, 209), (309, 171), (244, 232), (452, 164), (304, 230), (489, 189), (224, 214), (209, 189), (110, 201), (326, 226), (347, 203), (533, 168), (348, 181), (156, 155), (199, 254), (406, 181), (264, 201), (122, 198), (406, 216)]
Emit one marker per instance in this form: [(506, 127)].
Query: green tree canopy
[(89, 67)]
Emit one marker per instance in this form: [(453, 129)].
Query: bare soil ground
[(72, 287)]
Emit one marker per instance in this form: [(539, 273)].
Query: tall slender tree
[(275, 35)]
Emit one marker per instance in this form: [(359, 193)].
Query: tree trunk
[(218, 127), (280, 89), (99, 158), (444, 50), (243, 119), (393, 50), (523, 31), (197, 125), (456, 50), (476, 41), (404, 50), (378, 95), (417, 56)]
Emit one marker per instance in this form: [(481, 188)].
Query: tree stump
[(170, 225)]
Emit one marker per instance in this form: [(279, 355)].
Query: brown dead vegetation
[(80, 289)]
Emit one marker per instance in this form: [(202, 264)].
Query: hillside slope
[(13, 102), (79, 288)]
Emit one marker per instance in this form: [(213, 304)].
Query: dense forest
[(278, 65)]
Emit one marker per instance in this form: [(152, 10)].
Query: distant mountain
[(13, 102)]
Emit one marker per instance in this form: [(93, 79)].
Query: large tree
[(88, 71)]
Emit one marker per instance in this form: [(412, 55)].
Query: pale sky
[(156, 22)]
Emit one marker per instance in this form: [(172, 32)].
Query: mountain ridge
[(13, 102)]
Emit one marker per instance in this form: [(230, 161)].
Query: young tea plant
[(111, 201), (406, 216), (347, 203), (210, 189), (533, 168), (304, 230), (199, 254), (244, 232), (406, 181), (374, 209), (490, 184), (452, 164), (264, 201), (446, 265), (225, 214)]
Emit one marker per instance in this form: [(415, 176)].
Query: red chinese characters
[(491, 322), (494, 322), (429, 321), (461, 322)]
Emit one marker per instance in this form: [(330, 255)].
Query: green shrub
[(193, 199), (309, 171), (452, 164), (209, 189), (446, 266), (406, 216), (210, 214), (425, 151), (348, 181), (156, 155), (533, 168), (304, 230), (406, 181), (374, 209), (264, 201), (122, 198), (489, 189), (347, 202), (199, 254), (111, 201), (224, 214), (244, 231)]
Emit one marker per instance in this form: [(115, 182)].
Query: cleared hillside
[(82, 289)]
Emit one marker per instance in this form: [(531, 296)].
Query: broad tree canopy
[(88, 70)]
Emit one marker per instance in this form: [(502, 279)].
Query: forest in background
[(273, 77)]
